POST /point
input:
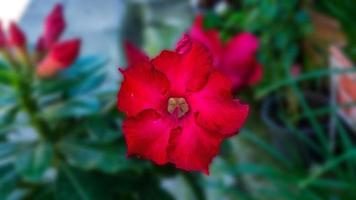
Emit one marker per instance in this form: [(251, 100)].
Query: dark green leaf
[(101, 130), (73, 184), (8, 180)]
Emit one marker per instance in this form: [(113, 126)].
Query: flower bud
[(2, 37), (60, 56), (17, 37), (54, 26)]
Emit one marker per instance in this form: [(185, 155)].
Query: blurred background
[(298, 142)]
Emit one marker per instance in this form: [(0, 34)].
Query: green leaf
[(108, 158), (8, 77), (89, 84), (81, 76), (103, 130), (77, 107), (7, 95), (73, 184), (7, 118), (8, 149), (33, 163), (85, 65), (8, 180)]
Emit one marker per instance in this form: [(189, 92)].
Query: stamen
[(178, 106)]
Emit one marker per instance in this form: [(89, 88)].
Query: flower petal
[(215, 109), (147, 135), (192, 148), (143, 88), (186, 72), (241, 49), (210, 38), (54, 26), (2, 37), (134, 55), (184, 44), (17, 37)]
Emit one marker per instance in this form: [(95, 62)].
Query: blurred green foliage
[(76, 150), (306, 152)]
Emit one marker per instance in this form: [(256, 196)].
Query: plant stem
[(30, 107)]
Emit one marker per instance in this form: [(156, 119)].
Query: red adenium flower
[(60, 56), (236, 59), (54, 26), (179, 109), (17, 37)]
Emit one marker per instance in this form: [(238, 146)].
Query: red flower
[(54, 26), (236, 59), (60, 56), (17, 37), (178, 109), (2, 37)]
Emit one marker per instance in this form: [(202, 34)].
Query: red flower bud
[(40, 45), (2, 37), (61, 55), (17, 37), (54, 26)]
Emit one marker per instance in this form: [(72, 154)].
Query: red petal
[(215, 109), (2, 37), (133, 54), (17, 37), (65, 52), (147, 135), (184, 44), (241, 49), (192, 148), (186, 72), (143, 88), (210, 38), (54, 26)]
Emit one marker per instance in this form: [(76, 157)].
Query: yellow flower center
[(177, 106)]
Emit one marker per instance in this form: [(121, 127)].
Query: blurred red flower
[(179, 109), (2, 37), (16, 37), (61, 55), (236, 58), (54, 26)]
